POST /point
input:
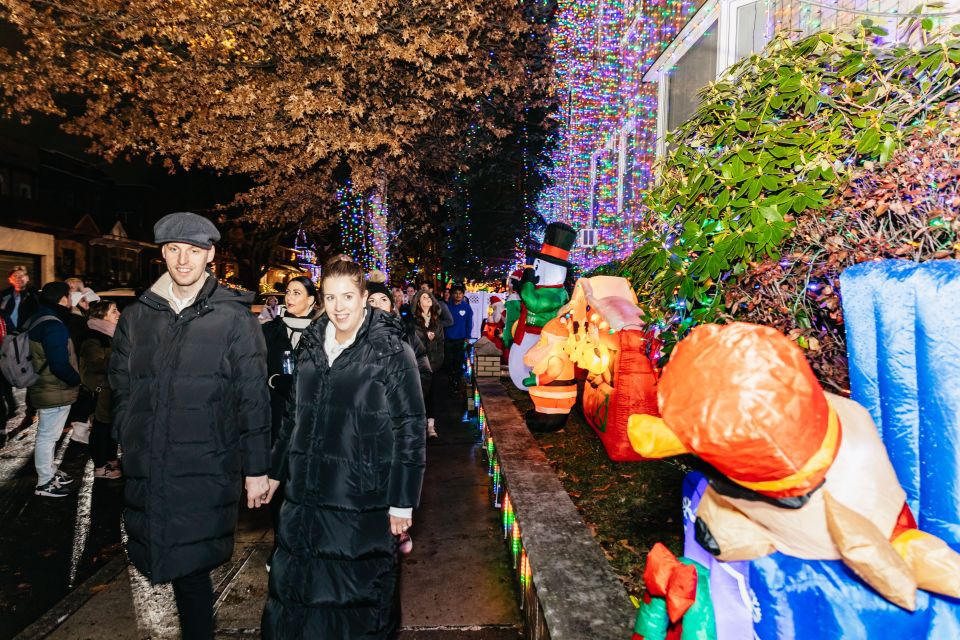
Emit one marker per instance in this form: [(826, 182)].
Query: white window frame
[(593, 186), (610, 145), (659, 72), (724, 13), (727, 40)]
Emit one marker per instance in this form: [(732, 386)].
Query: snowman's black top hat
[(557, 242)]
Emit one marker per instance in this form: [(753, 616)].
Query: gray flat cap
[(187, 227)]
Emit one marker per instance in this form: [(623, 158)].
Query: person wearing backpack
[(56, 387)]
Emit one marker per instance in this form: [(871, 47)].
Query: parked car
[(122, 296)]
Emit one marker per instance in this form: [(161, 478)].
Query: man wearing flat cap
[(192, 416)]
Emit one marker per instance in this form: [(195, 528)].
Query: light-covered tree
[(292, 94)]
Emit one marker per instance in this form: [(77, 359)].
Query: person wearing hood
[(282, 336), (352, 453), (192, 414), (56, 388)]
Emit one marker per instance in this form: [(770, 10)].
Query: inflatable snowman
[(541, 295)]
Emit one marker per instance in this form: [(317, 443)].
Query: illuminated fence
[(567, 589)]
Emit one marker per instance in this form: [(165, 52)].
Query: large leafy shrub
[(908, 209), (773, 139)]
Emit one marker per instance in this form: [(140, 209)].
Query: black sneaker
[(52, 489), (62, 478)]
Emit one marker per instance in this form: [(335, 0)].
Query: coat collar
[(156, 297), (376, 326)]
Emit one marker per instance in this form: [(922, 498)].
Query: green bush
[(773, 139)]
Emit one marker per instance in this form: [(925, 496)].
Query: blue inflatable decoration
[(938, 380), (903, 338)]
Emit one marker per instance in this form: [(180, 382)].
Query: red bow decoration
[(667, 577)]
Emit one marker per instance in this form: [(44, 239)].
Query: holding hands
[(399, 526), (258, 491)]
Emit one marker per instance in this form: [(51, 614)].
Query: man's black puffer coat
[(192, 415), (351, 446)]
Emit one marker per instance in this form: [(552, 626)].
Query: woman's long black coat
[(192, 416), (351, 447), (277, 341)]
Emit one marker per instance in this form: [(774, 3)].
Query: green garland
[(774, 138)]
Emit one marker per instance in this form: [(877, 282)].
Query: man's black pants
[(453, 354), (194, 596)]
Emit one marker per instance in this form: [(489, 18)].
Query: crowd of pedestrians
[(322, 411)]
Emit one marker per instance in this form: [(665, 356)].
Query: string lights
[(602, 49), (602, 165), (364, 228)]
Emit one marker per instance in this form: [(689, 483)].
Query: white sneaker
[(431, 428), (80, 432)]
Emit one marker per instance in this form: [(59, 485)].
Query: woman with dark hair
[(352, 456), (378, 297), (424, 322), (96, 345), (282, 335)]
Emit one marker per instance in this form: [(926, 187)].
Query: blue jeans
[(50, 423)]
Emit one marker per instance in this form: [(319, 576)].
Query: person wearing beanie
[(380, 297), (192, 414), (57, 386), (457, 336)]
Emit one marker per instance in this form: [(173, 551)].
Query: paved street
[(65, 575)]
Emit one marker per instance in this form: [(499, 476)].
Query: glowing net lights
[(364, 228), (515, 542), (503, 501), (608, 141)]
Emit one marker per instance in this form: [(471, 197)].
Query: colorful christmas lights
[(603, 163), (364, 228), (607, 147)]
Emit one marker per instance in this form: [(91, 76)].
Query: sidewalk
[(455, 585)]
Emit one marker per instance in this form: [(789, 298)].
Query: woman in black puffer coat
[(282, 335), (378, 297), (424, 323), (351, 451)]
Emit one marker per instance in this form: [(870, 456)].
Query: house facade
[(628, 71)]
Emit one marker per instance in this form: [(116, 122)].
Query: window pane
[(751, 29), (694, 70)]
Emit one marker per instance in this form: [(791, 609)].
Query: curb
[(73, 601)]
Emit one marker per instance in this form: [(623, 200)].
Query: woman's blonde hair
[(340, 268)]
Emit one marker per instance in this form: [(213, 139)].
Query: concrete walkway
[(455, 585)]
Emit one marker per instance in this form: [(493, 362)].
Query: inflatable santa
[(541, 295), (552, 382), (511, 308)]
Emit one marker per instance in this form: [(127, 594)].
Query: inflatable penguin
[(796, 469), (541, 295)]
